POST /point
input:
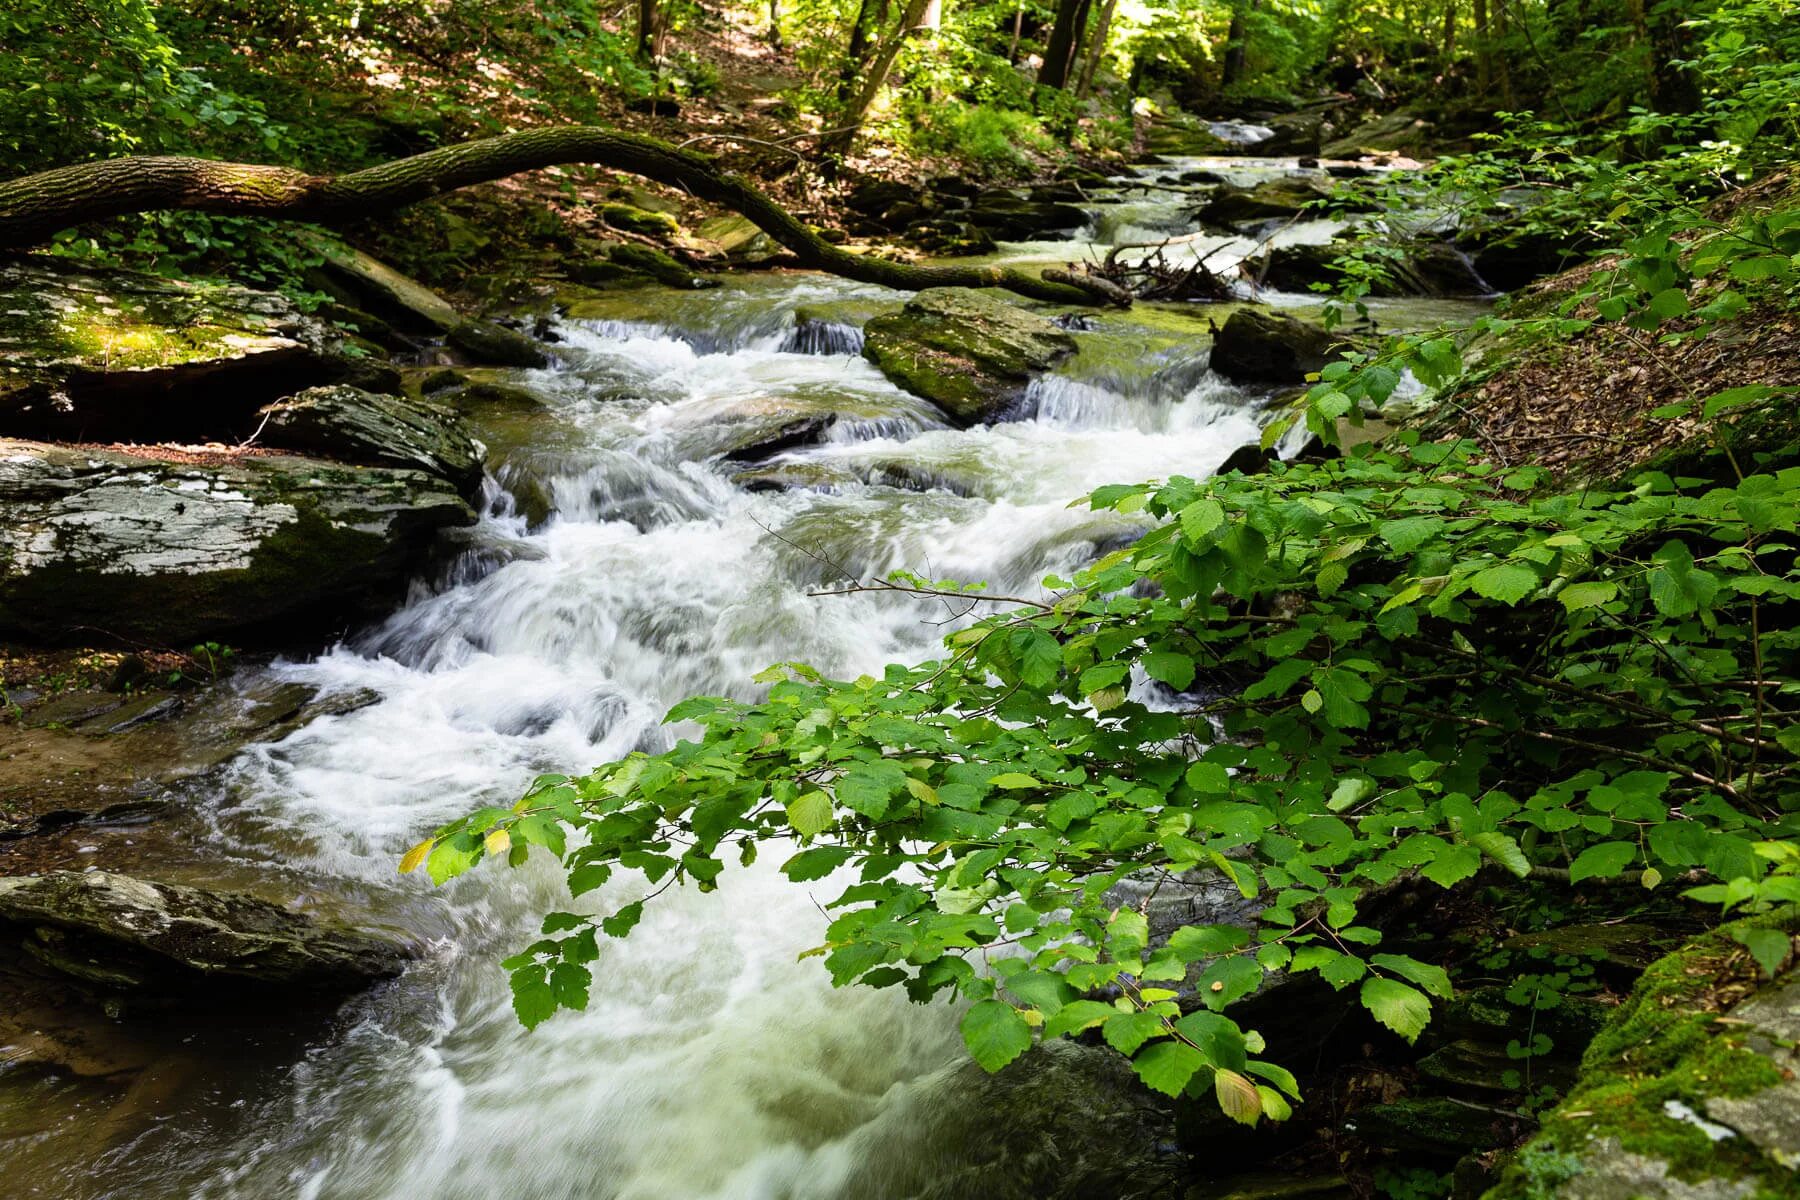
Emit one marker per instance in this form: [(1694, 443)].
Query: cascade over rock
[(965, 351)]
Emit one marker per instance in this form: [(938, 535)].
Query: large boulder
[(1429, 269), (1256, 344), (129, 935), (1400, 132), (343, 422), (94, 354), (1690, 1091), (1271, 200), (171, 548), (1011, 217), (967, 352)]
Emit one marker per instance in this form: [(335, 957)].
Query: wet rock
[(1298, 133), (1486, 1066), (1257, 344), (1513, 254), (873, 197), (487, 342), (1010, 217), (1180, 136), (1436, 1125), (967, 352), (1403, 131), (129, 934), (1690, 1091), (1067, 1121), (736, 239), (1428, 269), (356, 426), (1275, 199), (115, 355), (171, 551), (1626, 947), (950, 238), (656, 265), (805, 431)]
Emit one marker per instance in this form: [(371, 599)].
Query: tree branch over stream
[(35, 207)]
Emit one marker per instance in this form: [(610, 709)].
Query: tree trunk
[(1484, 50), (1449, 42), (1060, 49), (649, 31), (1096, 49), (911, 21), (1236, 37), (870, 16), (35, 207), (775, 42), (1012, 51)]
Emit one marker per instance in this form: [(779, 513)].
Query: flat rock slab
[(125, 933), (168, 551), (94, 353)]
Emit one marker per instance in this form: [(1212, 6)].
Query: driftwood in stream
[(35, 207)]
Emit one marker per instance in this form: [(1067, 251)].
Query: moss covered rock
[(1688, 1093), (128, 934), (965, 351), (168, 551), (94, 353), (1276, 199)]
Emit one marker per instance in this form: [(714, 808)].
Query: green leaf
[(1407, 534), (867, 787), (1508, 583), (1125, 1032), (1014, 781), (816, 863), (532, 997), (1228, 980), (1040, 657), (1200, 518), (995, 1034), (1769, 947), (1176, 670), (1604, 861), (809, 813), (1076, 1016), (1590, 593), (623, 921), (1452, 864), (1166, 1066), (1403, 1009), (1434, 980), (1190, 943), (1503, 850)]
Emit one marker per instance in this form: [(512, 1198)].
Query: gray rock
[(125, 933), (171, 551), (342, 422), (1014, 218), (486, 342), (1429, 269), (1257, 344), (965, 351), (1398, 132), (1276, 199), (114, 355)]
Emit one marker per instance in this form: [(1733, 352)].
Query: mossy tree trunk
[(35, 207)]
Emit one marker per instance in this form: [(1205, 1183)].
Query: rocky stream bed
[(449, 552)]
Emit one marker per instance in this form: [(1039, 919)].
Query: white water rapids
[(710, 1062)]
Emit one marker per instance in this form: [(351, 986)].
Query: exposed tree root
[(35, 207)]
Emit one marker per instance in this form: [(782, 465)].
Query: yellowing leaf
[(1238, 1097), (416, 856), (497, 842)]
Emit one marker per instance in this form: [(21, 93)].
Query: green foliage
[(1310, 683)]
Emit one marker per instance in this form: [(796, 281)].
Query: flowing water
[(711, 1062)]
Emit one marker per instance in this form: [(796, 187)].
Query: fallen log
[(34, 207)]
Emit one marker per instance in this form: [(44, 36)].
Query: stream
[(711, 1062)]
